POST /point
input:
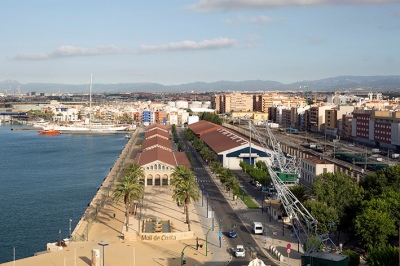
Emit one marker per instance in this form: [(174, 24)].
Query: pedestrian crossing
[(204, 181), (251, 249)]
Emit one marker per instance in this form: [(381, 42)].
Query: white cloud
[(188, 45), (253, 20), (213, 5), (70, 51)]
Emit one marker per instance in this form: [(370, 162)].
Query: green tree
[(215, 166), (354, 257), (323, 214), (224, 174), (374, 225), (180, 146), (300, 192), (391, 196), (130, 188), (185, 188), (340, 192), (387, 255), (377, 182)]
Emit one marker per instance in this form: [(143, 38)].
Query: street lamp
[(212, 214), (103, 245), (202, 195), (207, 205), (207, 241)]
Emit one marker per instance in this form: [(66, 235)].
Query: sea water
[(45, 181)]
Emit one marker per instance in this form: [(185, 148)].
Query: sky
[(175, 42)]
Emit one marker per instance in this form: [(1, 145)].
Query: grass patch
[(250, 202)]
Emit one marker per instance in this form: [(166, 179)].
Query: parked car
[(239, 251), (232, 233)]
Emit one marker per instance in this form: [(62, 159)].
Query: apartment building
[(332, 118), (316, 117), (312, 167), (387, 128), (344, 126), (160, 117), (378, 128), (361, 125), (234, 102)]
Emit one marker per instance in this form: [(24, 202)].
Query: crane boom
[(304, 224)]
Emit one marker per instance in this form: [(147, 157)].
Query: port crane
[(287, 166), (304, 224)]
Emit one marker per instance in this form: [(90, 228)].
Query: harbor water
[(46, 181)]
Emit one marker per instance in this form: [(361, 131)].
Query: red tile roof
[(162, 155), (223, 139), (157, 142), (156, 132), (219, 138), (156, 126), (201, 127)]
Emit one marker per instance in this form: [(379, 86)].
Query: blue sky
[(175, 42)]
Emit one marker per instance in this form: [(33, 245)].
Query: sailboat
[(90, 127)]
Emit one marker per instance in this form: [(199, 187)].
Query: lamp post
[(183, 262), (270, 210), (202, 195), (207, 205), (103, 245), (220, 233), (212, 215), (70, 220), (207, 241)]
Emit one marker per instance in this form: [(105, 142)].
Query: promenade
[(99, 226)]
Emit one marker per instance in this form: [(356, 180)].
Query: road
[(224, 215)]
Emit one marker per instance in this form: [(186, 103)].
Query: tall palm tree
[(135, 168), (185, 188), (130, 188)]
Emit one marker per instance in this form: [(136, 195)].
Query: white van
[(257, 228)]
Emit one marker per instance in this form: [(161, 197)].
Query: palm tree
[(130, 188), (137, 169), (185, 188)]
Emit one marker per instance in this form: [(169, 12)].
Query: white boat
[(90, 127), (41, 123)]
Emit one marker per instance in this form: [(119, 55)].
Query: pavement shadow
[(86, 260)]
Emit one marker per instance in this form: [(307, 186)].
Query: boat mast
[(90, 103)]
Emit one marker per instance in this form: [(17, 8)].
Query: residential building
[(234, 102), (317, 117), (312, 167), (344, 126), (362, 126), (387, 129)]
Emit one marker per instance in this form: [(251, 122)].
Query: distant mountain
[(376, 83)]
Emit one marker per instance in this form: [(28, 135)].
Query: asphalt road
[(224, 214)]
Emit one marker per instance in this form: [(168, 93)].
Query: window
[(324, 170)]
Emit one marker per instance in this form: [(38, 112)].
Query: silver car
[(239, 251)]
